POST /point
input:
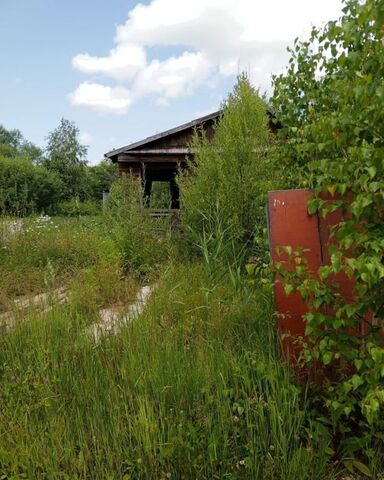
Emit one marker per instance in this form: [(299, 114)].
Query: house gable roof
[(166, 133)]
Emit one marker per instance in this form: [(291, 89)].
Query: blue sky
[(123, 71)]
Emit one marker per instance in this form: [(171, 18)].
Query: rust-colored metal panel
[(290, 224)]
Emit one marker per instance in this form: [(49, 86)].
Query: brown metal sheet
[(290, 224)]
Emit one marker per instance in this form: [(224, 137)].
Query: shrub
[(334, 132), (141, 247), (223, 193), (25, 188), (100, 178)]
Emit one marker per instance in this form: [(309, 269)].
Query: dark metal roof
[(185, 126)]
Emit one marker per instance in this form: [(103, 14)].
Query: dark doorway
[(161, 190)]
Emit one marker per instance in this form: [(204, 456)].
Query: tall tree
[(67, 156), (13, 138)]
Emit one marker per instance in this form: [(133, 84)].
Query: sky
[(123, 70)]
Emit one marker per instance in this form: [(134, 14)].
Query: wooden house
[(159, 157)]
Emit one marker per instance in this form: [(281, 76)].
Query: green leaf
[(348, 465), (372, 171), (347, 410), (362, 468), (250, 268), (356, 381), (321, 146), (312, 206), (288, 288), (327, 358), (358, 363)]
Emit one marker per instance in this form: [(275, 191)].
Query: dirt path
[(41, 303), (112, 318)]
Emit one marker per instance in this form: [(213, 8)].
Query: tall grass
[(47, 252), (193, 390), (141, 248)]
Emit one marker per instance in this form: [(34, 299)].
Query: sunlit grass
[(45, 253), (193, 390)]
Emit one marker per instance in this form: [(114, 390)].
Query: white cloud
[(173, 77), (101, 98), (219, 38), (122, 63)]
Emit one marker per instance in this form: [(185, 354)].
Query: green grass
[(56, 252), (192, 390)]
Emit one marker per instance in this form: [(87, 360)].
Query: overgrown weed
[(47, 252), (192, 390), (143, 245)]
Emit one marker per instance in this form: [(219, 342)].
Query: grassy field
[(193, 389), (46, 253)]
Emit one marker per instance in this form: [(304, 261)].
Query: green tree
[(100, 178), (66, 156), (224, 191), (14, 145), (26, 188), (30, 151), (331, 104), (13, 138)]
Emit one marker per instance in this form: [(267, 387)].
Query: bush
[(100, 178), (334, 132), (25, 188), (141, 246), (76, 208), (223, 194)]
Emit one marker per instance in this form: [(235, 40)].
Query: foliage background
[(57, 180)]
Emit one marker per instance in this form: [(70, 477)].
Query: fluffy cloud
[(122, 63), (101, 98), (173, 77), (219, 38)]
